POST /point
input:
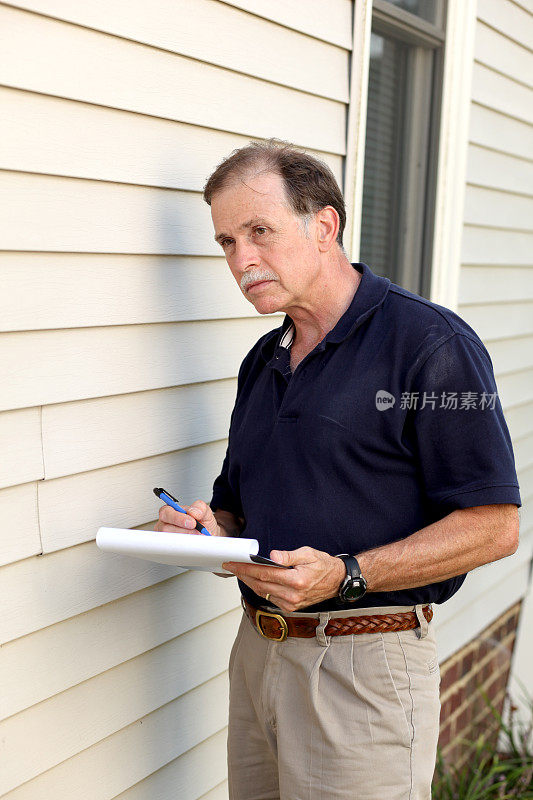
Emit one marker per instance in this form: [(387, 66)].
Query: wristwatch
[(353, 586)]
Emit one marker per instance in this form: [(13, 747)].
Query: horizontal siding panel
[(499, 171), (498, 209), (67, 214), (491, 284), (220, 792), (97, 433), (508, 18), (59, 366), (41, 665), (20, 442), (503, 94), (44, 735), (74, 290), (525, 479), (519, 419), (510, 355), (490, 128), (526, 518), (123, 759), (485, 246), (121, 495), (44, 590), (86, 141), (495, 50), (222, 35), (335, 26), (121, 74), (495, 321), (527, 5), (187, 775), (19, 523), (523, 451), (515, 388)]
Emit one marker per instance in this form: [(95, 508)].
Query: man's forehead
[(249, 201)]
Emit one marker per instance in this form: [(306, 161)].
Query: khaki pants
[(354, 716)]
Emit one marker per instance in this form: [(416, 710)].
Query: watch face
[(354, 590)]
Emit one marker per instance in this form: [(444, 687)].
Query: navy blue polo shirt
[(390, 423)]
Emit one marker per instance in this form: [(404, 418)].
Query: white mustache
[(248, 279)]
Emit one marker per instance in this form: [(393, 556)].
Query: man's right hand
[(175, 522)]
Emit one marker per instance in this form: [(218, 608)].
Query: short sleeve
[(460, 436)]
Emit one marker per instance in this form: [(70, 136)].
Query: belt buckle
[(282, 621)]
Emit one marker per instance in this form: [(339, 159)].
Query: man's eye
[(260, 230), (225, 242)]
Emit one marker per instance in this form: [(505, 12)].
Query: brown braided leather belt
[(277, 627)]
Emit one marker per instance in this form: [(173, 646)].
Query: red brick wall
[(484, 662)]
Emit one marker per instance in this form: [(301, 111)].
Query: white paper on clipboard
[(191, 551)]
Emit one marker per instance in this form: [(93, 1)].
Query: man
[(351, 460)]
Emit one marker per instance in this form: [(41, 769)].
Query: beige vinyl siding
[(61, 630), (496, 277), (158, 738), (55, 366), (121, 335), (22, 455), (154, 684), (335, 29), (496, 290), (201, 30), (119, 73), (81, 140), (87, 290)]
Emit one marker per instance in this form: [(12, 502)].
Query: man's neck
[(317, 317)]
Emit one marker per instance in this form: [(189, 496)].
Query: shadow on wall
[(185, 621)]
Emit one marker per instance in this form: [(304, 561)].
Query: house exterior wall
[(495, 293), (480, 628), (122, 332)]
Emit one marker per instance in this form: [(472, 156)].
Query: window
[(404, 94)]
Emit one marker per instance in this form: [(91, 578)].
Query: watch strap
[(353, 570), (353, 573)]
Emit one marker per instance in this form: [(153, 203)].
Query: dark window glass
[(426, 9), (381, 192), (398, 188)]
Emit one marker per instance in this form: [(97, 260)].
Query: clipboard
[(206, 553)]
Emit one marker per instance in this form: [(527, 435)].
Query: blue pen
[(171, 501)]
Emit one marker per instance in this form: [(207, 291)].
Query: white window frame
[(453, 143)]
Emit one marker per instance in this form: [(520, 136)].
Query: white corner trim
[(356, 126), (453, 147)]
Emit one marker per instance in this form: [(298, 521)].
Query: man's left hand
[(316, 576)]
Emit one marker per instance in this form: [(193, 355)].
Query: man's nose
[(245, 255)]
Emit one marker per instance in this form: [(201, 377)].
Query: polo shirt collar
[(370, 294)]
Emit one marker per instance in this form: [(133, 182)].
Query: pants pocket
[(381, 681), (421, 654), (433, 665), (399, 682)]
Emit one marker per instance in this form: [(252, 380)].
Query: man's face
[(264, 242)]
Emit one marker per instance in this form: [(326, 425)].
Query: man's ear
[(327, 227)]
